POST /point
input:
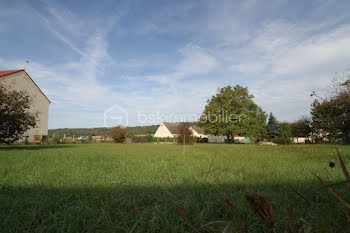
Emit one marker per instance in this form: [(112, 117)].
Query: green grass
[(90, 187)]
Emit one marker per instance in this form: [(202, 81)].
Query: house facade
[(171, 130), (19, 80), (197, 132)]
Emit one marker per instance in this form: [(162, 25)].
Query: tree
[(331, 116), (185, 134), (301, 127), (284, 133), (15, 115), (272, 127), (233, 111), (119, 134)]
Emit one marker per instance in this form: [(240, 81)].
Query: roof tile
[(7, 72)]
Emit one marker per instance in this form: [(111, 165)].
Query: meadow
[(154, 188)]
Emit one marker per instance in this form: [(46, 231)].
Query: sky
[(142, 62)]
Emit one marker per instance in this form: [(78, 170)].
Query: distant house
[(197, 132), (171, 130), (19, 80)]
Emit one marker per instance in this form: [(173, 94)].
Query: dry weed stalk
[(181, 211), (242, 224), (335, 194), (343, 167), (136, 211), (229, 202), (262, 207)]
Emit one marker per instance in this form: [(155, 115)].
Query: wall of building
[(196, 134), (163, 132), (20, 81)]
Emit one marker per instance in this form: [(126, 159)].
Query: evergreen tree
[(272, 127)]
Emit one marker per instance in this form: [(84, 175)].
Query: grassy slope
[(90, 187)]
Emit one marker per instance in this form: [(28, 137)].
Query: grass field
[(91, 187)]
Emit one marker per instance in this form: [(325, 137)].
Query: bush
[(285, 134), (282, 140), (201, 140), (56, 140), (138, 139), (119, 134), (149, 138)]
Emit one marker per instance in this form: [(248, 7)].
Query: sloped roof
[(8, 72), (173, 127), (198, 129)]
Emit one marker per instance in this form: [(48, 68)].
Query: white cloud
[(195, 61), (280, 61)]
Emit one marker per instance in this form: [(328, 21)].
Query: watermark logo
[(116, 115), (158, 117)]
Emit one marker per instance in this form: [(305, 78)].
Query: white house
[(171, 130), (197, 132), (20, 80)]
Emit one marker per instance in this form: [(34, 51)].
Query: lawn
[(152, 187)]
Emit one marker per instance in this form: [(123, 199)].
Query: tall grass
[(149, 187)]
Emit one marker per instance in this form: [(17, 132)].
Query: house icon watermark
[(116, 115)]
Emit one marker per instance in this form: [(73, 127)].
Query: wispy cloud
[(172, 56)]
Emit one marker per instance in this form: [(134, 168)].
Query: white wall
[(300, 140), (163, 132), (20, 81), (197, 135)]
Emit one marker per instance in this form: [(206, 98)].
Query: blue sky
[(171, 56)]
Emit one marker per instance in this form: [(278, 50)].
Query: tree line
[(100, 131), (232, 111)]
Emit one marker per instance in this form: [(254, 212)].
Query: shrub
[(282, 140), (139, 139), (119, 134), (201, 140), (285, 134), (56, 140), (149, 138)]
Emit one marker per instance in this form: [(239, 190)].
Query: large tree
[(301, 127), (15, 115), (331, 116), (233, 111)]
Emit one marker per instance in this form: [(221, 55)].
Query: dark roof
[(199, 130), (8, 72), (173, 127)]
